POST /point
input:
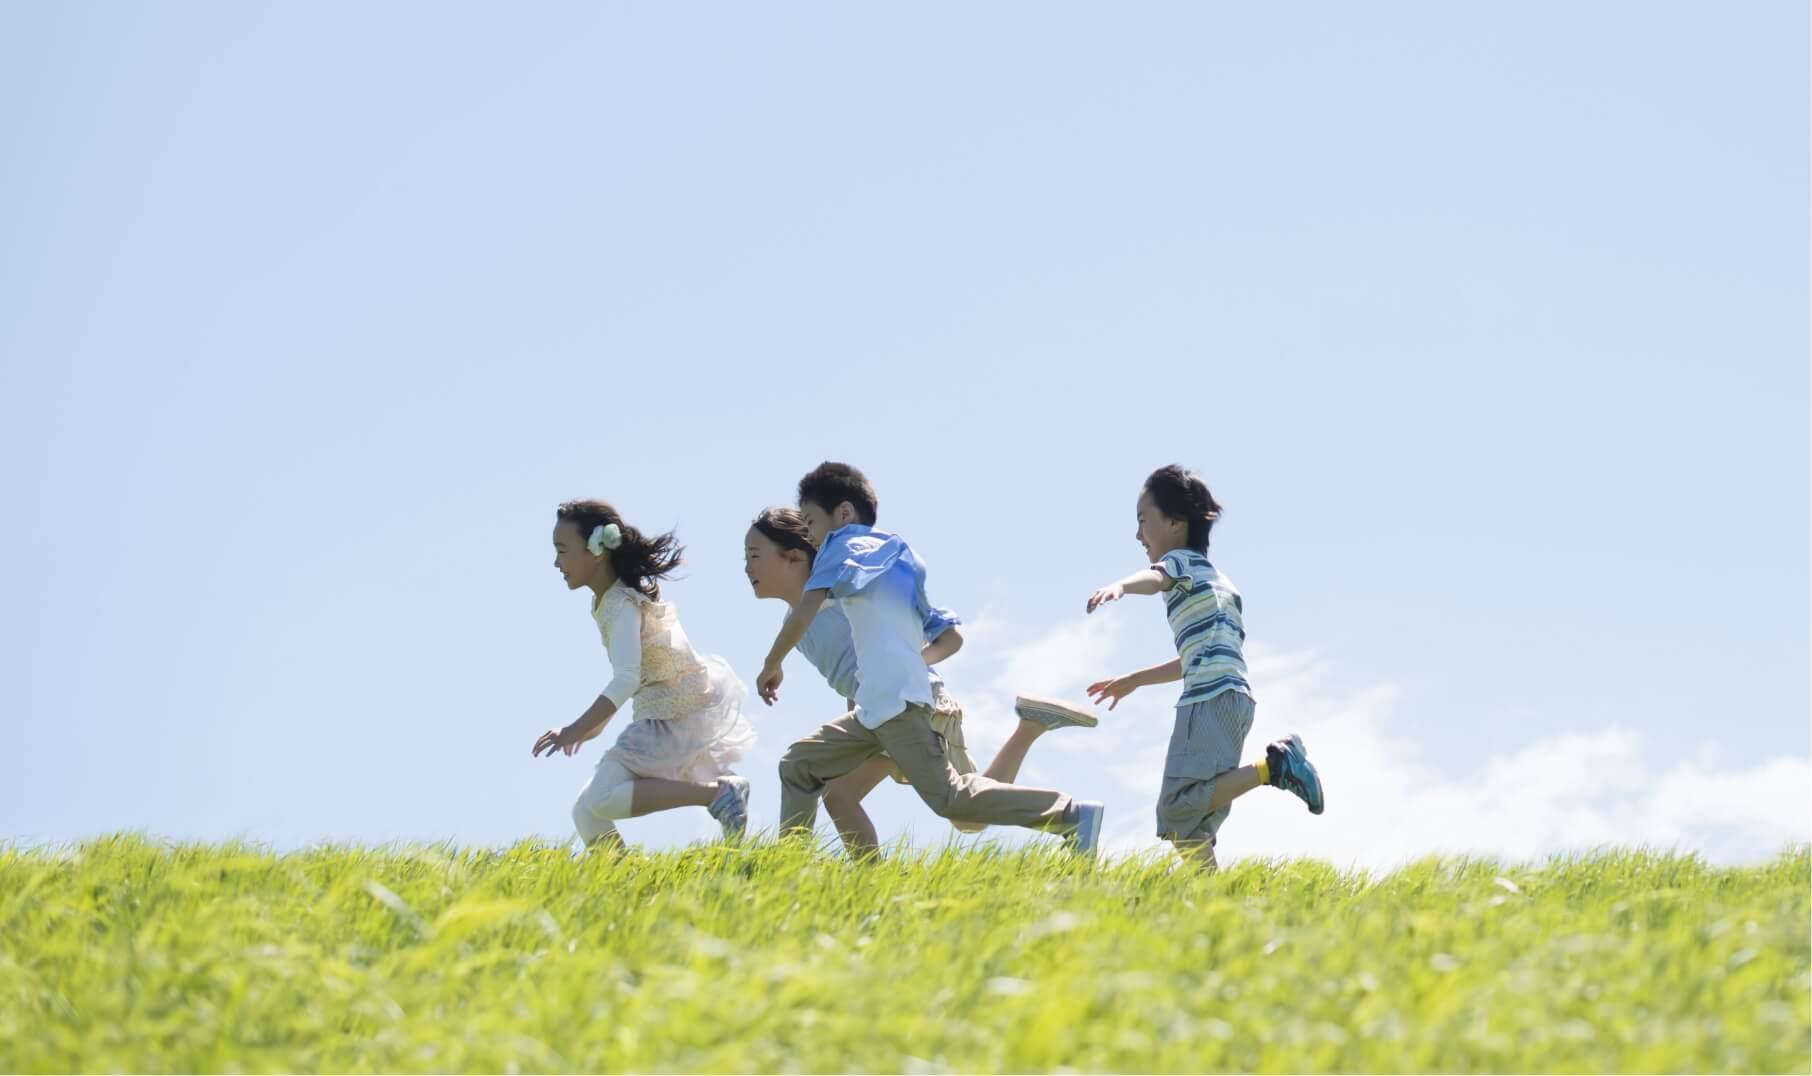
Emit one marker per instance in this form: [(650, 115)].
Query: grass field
[(124, 954)]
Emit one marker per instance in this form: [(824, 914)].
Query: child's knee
[(941, 798), (796, 773), (593, 817), (590, 827), (606, 798)]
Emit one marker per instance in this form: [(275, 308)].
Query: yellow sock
[(1263, 766)]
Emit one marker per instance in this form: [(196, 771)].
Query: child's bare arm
[(1149, 581), (767, 685), (1111, 691), (589, 724), (1169, 672), (943, 646)]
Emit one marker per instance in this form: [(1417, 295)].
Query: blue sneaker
[(731, 807), (1292, 771), (1087, 834)]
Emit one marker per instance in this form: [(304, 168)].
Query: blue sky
[(1489, 326)]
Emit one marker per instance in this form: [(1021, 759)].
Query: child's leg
[(1224, 788), (615, 793), (1202, 774), (1037, 716), (811, 763), (659, 794), (605, 799), (1229, 786), (916, 749), (947, 721), (1199, 853), (1012, 754), (1198, 847), (843, 802)]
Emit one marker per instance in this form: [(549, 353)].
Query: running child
[(879, 584), (777, 557), (1202, 774), (688, 726)]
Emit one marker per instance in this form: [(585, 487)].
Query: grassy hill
[(124, 954)]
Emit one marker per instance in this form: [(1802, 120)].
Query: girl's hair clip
[(604, 536)]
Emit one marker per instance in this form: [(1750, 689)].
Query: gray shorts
[(1207, 742)]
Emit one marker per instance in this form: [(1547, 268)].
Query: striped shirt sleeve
[(1177, 570)]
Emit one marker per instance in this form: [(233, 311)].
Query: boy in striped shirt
[(1202, 774)]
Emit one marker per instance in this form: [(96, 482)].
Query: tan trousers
[(917, 749)]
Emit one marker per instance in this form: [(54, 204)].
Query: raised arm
[(1149, 581)]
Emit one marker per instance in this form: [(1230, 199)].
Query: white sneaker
[(731, 807)]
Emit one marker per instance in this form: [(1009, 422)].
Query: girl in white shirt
[(688, 725)]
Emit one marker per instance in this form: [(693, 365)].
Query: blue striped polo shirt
[(1205, 615)]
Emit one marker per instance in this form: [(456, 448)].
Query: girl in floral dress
[(688, 727)]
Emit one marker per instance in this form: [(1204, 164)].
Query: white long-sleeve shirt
[(620, 623)]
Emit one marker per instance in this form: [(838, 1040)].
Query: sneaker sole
[(1053, 714)]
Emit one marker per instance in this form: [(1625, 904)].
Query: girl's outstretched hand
[(1111, 691), (1111, 592), (555, 740), (767, 685)]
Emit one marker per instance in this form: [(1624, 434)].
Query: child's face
[(820, 522), (773, 570), (576, 564), (1159, 533)]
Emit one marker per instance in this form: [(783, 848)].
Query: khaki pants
[(917, 749), (946, 721)]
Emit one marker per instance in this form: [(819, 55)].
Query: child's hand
[(767, 685), (1113, 689), (556, 740), (581, 740), (1111, 592)]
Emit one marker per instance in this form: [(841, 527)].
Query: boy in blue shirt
[(879, 584)]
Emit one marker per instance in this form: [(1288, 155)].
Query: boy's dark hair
[(641, 561), (830, 484), (785, 527), (1180, 494)]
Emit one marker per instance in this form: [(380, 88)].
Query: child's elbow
[(951, 641)]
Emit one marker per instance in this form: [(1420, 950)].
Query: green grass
[(124, 954)]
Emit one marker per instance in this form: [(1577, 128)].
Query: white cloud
[(1571, 788)]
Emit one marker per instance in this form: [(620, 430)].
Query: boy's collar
[(856, 528)]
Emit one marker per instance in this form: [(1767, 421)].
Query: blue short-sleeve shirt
[(827, 644), (879, 583)]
